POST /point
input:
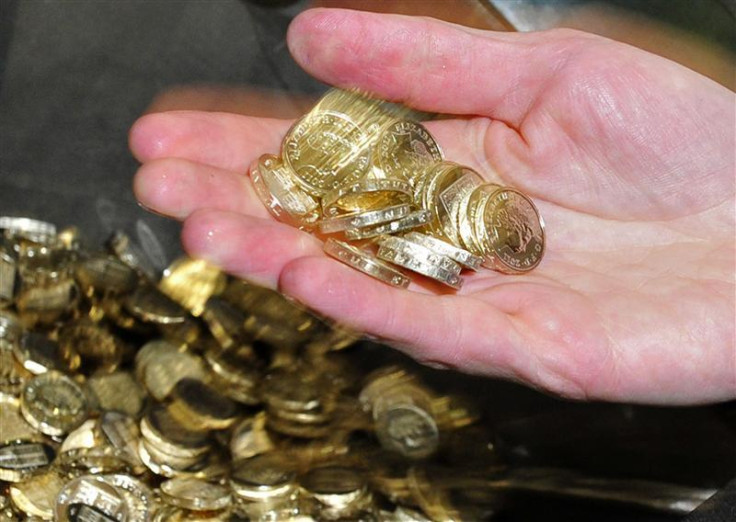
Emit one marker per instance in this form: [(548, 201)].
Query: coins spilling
[(196, 396), (356, 169)]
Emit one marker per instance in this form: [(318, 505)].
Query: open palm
[(629, 157)]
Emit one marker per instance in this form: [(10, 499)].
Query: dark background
[(74, 76)]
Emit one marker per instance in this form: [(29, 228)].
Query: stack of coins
[(195, 396), (355, 169)]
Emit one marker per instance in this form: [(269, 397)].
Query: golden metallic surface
[(118, 391), (370, 193), (326, 150), (195, 494), (406, 150), (276, 186), (414, 220), (510, 231), (36, 497), (53, 403), (439, 246), (365, 262), (89, 498), (363, 219), (420, 265), (191, 282), (201, 407), (12, 424), (22, 459)]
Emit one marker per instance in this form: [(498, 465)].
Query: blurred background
[(75, 74)]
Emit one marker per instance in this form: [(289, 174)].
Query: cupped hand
[(629, 157)]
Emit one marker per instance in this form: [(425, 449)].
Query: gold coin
[(450, 202), (404, 423), (118, 391), (162, 372), (262, 477), (365, 262), (277, 188), (36, 496), (510, 231), (468, 211), (370, 193), (406, 150), (85, 436), (105, 274), (12, 375), (164, 432), (363, 219), (132, 255), (195, 494), (421, 253), (27, 228), (250, 438), (123, 434), (326, 150), (150, 305), (7, 278), (439, 246), (53, 404), (416, 219), (85, 340), (191, 282), (233, 372), (139, 499), (197, 405), (420, 266), (21, 459), (89, 498)]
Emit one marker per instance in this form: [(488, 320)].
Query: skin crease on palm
[(629, 157)]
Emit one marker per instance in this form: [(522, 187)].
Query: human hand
[(628, 156)]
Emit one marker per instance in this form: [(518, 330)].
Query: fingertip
[(147, 137)]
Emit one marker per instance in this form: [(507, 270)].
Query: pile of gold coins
[(375, 184), (196, 396)]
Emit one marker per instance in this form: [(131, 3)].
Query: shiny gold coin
[(118, 391), (7, 278), (451, 200), (164, 432), (370, 193), (444, 248), (140, 501), (131, 254), (414, 220), (38, 354), (83, 339), (150, 305), (32, 229), (105, 274), (197, 405), (36, 496), (406, 150), (510, 231), (363, 219), (89, 498), (122, 433), (262, 477), (21, 459), (420, 252), (12, 375), (250, 438), (276, 186), (162, 372), (83, 437), (195, 494), (53, 404), (420, 265), (190, 282), (326, 150), (365, 262)]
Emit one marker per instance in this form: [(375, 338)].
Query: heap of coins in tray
[(376, 186), (195, 396)]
